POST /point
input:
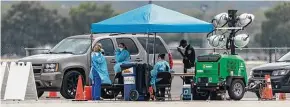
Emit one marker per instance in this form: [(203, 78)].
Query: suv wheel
[(69, 84), (237, 89), (39, 93)]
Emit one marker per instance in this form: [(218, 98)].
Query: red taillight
[(170, 60)]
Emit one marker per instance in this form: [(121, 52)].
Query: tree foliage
[(87, 13), (275, 30), (28, 24)]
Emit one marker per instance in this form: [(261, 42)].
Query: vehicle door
[(109, 51), (132, 48)]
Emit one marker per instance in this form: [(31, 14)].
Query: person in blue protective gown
[(99, 72), (160, 66), (122, 56)]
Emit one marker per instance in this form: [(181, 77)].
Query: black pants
[(187, 80), (120, 78)]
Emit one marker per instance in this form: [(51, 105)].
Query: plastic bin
[(135, 82), (128, 72), (186, 92)]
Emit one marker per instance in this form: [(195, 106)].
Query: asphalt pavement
[(67, 103)]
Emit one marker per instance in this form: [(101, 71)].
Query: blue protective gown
[(99, 66), (160, 66), (121, 57)]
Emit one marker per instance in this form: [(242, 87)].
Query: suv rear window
[(160, 48)]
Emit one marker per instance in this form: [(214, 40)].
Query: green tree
[(275, 30), (29, 24), (87, 13)]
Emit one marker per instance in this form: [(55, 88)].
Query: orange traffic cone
[(52, 94), (80, 92), (282, 96), (267, 93), (88, 92)]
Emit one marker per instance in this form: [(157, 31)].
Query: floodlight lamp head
[(241, 40), (221, 19), (217, 41), (245, 19)]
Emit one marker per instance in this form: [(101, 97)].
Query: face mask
[(121, 49)]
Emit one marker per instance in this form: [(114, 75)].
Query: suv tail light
[(170, 60)]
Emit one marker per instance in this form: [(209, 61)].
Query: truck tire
[(199, 95), (69, 84), (237, 89), (39, 93)]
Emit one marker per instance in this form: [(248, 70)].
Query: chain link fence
[(248, 54), (33, 51)]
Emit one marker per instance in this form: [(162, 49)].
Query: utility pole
[(232, 23), (204, 8)]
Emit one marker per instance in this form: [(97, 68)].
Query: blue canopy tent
[(152, 18)]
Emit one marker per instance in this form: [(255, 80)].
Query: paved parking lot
[(66, 103)]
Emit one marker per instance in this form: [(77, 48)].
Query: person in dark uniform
[(188, 58)]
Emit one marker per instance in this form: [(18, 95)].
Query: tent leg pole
[(147, 48), (147, 65), (154, 48), (90, 61)]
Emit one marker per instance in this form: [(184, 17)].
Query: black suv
[(280, 75)]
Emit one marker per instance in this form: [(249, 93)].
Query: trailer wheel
[(134, 95), (237, 89)]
